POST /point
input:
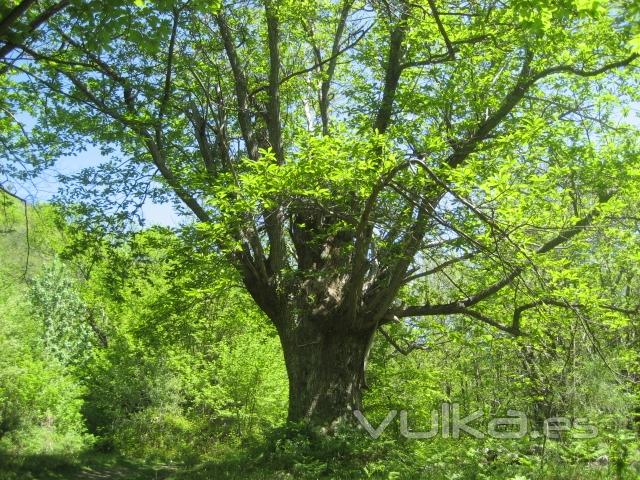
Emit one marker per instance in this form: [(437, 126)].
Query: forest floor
[(88, 467), (103, 466)]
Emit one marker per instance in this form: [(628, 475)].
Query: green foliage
[(40, 400), (171, 370), (67, 334), (168, 373), (488, 177), (41, 404)]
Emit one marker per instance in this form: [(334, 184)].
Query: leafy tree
[(170, 371), (25, 151), (359, 162), (40, 400)]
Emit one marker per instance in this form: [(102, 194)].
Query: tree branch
[(316, 65), (14, 14), (441, 29), (33, 26), (241, 88), (400, 349), (166, 91), (455, 306), (393, 71), (526, 79), (439, 267), (333, 60)]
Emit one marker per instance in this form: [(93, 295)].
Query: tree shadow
[(85, 466)]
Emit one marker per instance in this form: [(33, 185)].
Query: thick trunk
[(326, 373)]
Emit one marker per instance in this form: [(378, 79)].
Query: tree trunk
[(326, 373)]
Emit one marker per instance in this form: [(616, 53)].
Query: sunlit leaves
[(515, 90), (337, 173)]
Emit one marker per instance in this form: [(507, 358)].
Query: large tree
[(341, 152)]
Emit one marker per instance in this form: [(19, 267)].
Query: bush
[(40, 402), (155, 434), (40, 406)]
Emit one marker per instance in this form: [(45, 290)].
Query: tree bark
[(326, 368)]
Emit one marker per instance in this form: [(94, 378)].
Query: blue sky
[(45, 186)]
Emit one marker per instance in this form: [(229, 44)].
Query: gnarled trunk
[(326, 372)]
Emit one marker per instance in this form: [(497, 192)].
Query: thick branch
[(441, 29), (333, 60), (526, 80), (455, 306), (393, 71), (33, 26), (274, 218), (363, 233), (14, 15), (464, 149), (517, 313), (584, 73), (241, 88), (200, 132), (172, 181)]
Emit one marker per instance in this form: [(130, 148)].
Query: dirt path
[(125, 472), (96, 468)]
